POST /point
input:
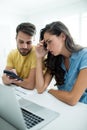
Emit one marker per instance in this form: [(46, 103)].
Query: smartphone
[(12, 75)]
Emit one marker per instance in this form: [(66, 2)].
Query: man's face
[(24, 43)]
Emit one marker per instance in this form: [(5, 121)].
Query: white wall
[(4, 44), (70, 14)]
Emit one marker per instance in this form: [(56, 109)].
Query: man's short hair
[(27, 28)]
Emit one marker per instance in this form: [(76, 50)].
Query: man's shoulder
[(13, 52), (33, 47), (32, 54)]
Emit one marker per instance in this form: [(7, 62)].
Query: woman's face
[(55, 44)]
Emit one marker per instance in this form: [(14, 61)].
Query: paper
[(24, 92)]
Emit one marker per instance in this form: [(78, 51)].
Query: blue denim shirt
[(78, 61)]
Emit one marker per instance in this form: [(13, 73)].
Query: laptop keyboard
[(30, 118)]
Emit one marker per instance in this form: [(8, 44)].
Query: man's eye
[(29, 42), (21, 42)]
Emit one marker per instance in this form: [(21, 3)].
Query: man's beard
[(24, 52)]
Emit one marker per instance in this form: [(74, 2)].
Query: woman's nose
[(48, 47)]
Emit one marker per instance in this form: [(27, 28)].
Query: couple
[(62, 58)]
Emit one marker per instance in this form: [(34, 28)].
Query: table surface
[(71, 117)]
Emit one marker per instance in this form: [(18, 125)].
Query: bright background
[(71, 12)]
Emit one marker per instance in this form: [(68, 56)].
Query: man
[(22, 61)]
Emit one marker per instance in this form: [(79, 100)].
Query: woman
[(66, 61)]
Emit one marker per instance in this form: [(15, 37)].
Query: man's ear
[(16, 37)]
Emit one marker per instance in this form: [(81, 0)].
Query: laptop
[(23, 114)]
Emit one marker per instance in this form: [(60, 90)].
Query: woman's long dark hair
[(53, 63)]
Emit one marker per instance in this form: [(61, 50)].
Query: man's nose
[(24, 45)]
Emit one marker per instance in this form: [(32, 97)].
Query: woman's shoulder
[(82, 51), (79, 54)]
